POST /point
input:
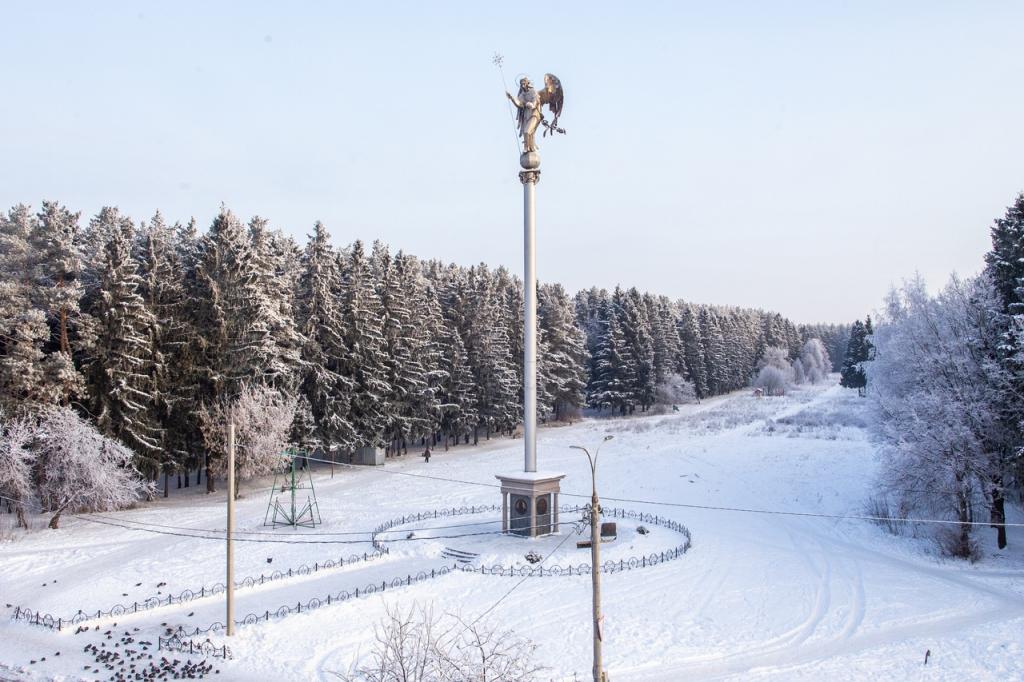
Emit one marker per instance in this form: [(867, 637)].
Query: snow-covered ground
[(756, 597)]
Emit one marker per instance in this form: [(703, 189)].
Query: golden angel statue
[(530, 115)]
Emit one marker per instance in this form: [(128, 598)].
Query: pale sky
[(797, 156)]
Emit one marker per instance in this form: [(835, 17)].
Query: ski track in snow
[(756, 597)]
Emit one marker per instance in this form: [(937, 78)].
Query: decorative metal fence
[(643, 561), (381, 546), (59, 623), (317, 602), (178, 642)]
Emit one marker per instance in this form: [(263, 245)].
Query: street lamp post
[(595, 555)]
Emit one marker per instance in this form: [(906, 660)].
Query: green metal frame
[(307, 515)]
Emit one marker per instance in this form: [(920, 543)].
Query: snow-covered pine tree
[(29, 378), (409, 414), (614, 380), (458, 392), (668, 356), (320, 320), (1005, 269), (422, 333), (270, 342), (366, 362), (187, 365), (565, 357), (692, 350), (57, 291), (857, 353), (589, 306), (1005, 261), (734, 344), (221, 276), (120, 372), (715, 360), (511, 306), (636, 330), (162, 287), (486, 338), (225, 301)]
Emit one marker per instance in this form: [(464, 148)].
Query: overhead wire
[(293, 541), (683, 505), (524, 579)]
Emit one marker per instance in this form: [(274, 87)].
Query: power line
[(311, 533), (524, 579), (744, 510), (284, 541), (682, 505)]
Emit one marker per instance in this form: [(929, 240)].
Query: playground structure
[(294, 512)]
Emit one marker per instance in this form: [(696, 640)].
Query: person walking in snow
[(426, 454)]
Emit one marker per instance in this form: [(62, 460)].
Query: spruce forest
[(147, 329)]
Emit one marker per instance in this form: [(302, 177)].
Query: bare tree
[(263, 420), (79, 469), (16, 459), (419, 646)]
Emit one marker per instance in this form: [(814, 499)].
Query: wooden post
[(230, 582)]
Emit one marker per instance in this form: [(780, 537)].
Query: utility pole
[(595, 558), (230, 582)]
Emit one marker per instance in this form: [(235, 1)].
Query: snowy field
[(757, 596)]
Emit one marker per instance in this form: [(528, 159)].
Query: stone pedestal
[(529, 502)]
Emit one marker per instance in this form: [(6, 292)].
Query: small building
[(529, 503), (369, 456)]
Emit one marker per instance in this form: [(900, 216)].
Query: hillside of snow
[(757, 596)]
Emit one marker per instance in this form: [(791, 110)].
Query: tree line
[(945, 376), (150, 330)]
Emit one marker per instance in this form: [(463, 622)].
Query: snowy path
[(757, 597)]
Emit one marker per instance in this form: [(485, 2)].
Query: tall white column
[(529, 179)]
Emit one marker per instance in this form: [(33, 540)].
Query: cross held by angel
[(529, 114)]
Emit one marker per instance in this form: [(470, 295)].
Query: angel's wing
[(555, 97)]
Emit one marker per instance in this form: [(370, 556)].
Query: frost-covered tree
[(16, 463), (937, 397), (813, 362), (675, 390), (263, 419), (774, 372), (78, 469)]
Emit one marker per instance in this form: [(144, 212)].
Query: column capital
[(529, 176)]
